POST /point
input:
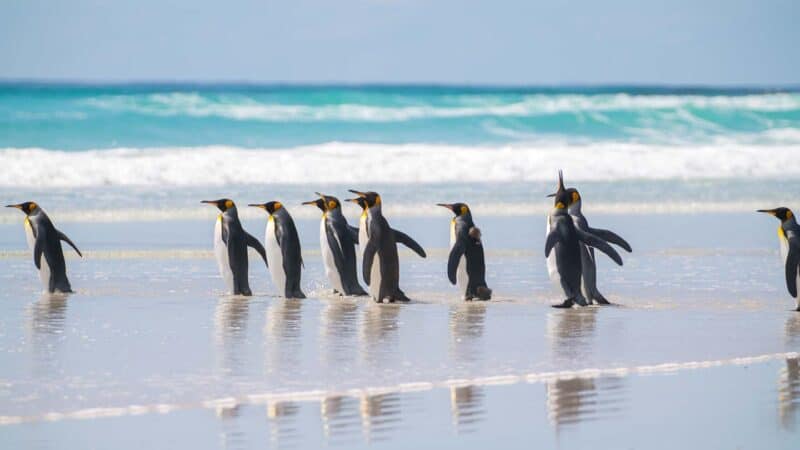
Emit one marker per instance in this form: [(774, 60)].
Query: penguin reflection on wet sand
[(564, 242), (230, 247), (789, 239), (588, 261), (337, 242), (381, 265), (283, 250), (465, 265), (44, 240)]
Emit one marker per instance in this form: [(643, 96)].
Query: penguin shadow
[(340, 418), (230, 330), (467, 409), (466, 329), (571, 333), (789, 393), (379, 330)]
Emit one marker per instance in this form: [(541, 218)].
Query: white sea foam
[(318, 395), (392, 164), (242, 107)]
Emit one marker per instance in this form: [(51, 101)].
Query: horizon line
[(76, 82)]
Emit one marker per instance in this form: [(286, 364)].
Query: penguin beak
[(310, 202), (256, 205), (771, 212), (210, 202), (551, 195), (445, 205), (15, 206), (358, 193), (351, 200)]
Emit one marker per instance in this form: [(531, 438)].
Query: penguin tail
[(598, 297), (483, 293)]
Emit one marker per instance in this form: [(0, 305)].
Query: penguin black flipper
[(458, 250), (406, 240), (551, 241), (338, 257), (596, 242), (38, 249), (251, 241), (792, 262), (353, 231), (369, 255), (610, 236), (286, 234), (63, 237)]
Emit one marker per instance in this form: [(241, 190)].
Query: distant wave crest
[(373, 163), (242, 107)]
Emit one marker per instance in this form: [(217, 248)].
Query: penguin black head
[(370, 198), (562, 198), (330, 202), (783, 214), (28, 207), (459, 209), (270, 207), (223, 204)]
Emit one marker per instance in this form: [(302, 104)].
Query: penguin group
[(570, 249)]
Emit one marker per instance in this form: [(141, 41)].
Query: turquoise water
[(81, 117)]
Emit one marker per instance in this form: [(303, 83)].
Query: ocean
[(156, 148), (699, 350)]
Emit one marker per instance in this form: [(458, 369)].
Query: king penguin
[(362, 236), (465, 265), (789, 238), (588, 261), (44, 240), (283, 249), (563, 243), (230, 247), (381, 265), (337, 243)]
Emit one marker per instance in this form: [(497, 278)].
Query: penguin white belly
[(44, 268), (275, 258), (552, 264), (221, 253), (327, 258), (375, 278)]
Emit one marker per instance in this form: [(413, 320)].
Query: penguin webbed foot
[(566, 304)]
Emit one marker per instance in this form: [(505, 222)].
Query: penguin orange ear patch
[(575, 197), (332, 204), (277, 206), (228, 203), (464, 209), (32, 206), (789, 214)]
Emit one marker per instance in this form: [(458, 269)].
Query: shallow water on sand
[(149, 348)]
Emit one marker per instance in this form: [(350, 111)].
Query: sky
[(498, 42)]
